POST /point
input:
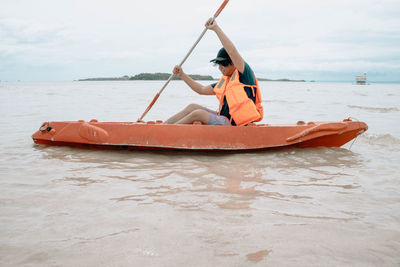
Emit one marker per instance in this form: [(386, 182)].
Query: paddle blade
[(221, 8), (149, 107)]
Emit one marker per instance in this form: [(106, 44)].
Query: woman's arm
[(230, 48), (195, 86)]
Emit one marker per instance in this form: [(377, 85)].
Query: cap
[(221, 56)]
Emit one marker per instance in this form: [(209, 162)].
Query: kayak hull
[(159, 136)]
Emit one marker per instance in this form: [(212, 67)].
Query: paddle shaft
[(183, 61)]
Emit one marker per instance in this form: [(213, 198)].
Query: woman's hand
[(211, 24), (178, 71)]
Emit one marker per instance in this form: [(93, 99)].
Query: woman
[(237, 91)]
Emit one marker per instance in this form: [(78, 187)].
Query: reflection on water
[(258, 256), (198, 181)]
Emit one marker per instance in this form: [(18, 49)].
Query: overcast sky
[(329, 40)]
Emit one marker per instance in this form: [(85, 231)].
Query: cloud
[(332, 37), (287, 37)]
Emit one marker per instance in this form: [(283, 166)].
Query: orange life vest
[(241, 108)]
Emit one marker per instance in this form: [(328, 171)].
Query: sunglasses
[(223, 63)]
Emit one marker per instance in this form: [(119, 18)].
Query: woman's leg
[(180, 115), (196, 115)]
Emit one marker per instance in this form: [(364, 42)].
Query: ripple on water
[(376, 109)]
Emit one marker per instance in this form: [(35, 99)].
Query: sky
[(329, 40)]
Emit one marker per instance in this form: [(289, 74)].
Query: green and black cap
[(222, 57)]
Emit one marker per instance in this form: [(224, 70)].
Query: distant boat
[(362, 80)]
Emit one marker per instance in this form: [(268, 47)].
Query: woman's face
[(227, 70)]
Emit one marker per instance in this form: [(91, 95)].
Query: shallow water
[(64, 206)]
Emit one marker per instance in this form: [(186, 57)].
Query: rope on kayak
[(351, 118), (48, 128)]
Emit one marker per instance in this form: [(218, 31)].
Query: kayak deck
[(156, 135)]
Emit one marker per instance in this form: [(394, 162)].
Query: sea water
[(62, 206)]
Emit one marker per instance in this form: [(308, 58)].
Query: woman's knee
[(192, 107), (200, 115)]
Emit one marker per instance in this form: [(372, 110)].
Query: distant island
[(164, 76), (151, 77), (279, 80)]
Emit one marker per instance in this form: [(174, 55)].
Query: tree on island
[(165, 76)]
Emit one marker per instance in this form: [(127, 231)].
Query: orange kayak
[(156, 135)]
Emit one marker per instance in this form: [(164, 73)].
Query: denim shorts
[(216, 119)]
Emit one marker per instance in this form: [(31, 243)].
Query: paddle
[(183, 61)]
